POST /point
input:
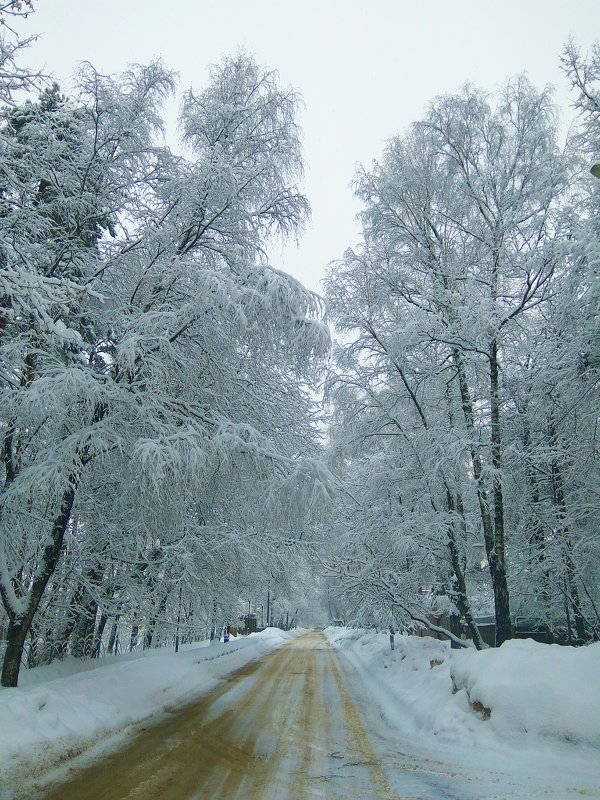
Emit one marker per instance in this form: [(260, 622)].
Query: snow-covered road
[(285, 726), (308, 721)]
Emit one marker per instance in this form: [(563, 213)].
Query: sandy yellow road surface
[(282, 727)]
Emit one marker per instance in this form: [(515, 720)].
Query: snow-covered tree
[(144, 337), (13, 76), (458, 258)]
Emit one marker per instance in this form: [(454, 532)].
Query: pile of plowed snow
[(520, 689)]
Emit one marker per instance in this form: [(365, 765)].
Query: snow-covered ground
[(73, 706), (521, 721)]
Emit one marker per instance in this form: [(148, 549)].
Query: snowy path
[(284, 726), (303, 722)]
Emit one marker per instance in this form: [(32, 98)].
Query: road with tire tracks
[(283, 727)]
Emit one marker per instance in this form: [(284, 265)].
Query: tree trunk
[(133, 641), (33, 653), (456, 511), (113, 635), (213, 624), (72, 617), (86, 621), (15, 643), (98, 636), (19, 623), (537, 540), (149, 635), (460, 595), (501, 596), (84, 629), (496, 565), (188, 636), (558, 497)]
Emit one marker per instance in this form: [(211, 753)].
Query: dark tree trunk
[(495, 558), (98, 635), (568, 617), (459, 583), (213, 624), (504, 629), (15, 643), (133, 641), (501, 596), (149, 636), (113, 635), (20, 623), (188, 636)]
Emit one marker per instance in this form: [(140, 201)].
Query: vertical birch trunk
[(496, 566)]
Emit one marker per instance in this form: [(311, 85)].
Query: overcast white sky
[(366, 69)]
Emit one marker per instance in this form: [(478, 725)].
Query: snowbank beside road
[(524, 717), (61, 709), (404, 680), (532, 688), (522, 687)]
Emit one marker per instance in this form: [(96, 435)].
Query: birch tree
[(458, 224)]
